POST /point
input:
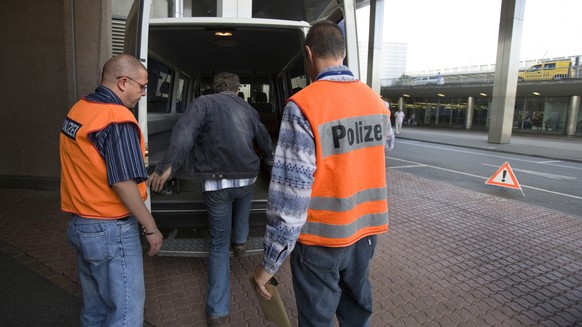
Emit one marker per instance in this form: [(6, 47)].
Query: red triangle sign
[(504, 177)]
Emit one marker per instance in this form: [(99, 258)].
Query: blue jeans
[(332, 282), (110, 262), (228, 210)]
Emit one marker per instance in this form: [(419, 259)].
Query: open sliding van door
[(136, 44), (344, 12)]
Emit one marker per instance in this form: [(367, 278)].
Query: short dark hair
[(326, 39), (226, 82)]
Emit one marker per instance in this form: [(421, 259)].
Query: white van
[(428, 80), (183, 55)]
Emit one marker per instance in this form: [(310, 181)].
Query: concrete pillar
[(401, 103), (53, 50), (90, 43), (506, 69), (426, 112), (436, 115), (469, 113), (572, 117)]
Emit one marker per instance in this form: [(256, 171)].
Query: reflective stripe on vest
[(349, 194), (346, 204)]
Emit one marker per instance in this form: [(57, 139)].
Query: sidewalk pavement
[(452, 257)]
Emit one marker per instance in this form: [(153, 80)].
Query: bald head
[(126, 77), (120, 65)]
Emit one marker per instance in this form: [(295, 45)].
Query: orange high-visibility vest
[(349, 195), (84, 187)]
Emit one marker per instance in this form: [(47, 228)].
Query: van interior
[(183, 57), (265, 48)]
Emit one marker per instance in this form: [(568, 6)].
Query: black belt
[(123, 219)]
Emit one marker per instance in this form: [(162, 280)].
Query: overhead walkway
[(541, 106), (476, 84)]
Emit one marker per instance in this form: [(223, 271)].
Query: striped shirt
[(118, 144)]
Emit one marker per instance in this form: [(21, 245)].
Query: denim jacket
[(215, 138)]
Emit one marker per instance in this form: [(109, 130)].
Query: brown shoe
[(215, 322), (239, 250)]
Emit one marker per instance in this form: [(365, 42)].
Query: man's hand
[(130, 196), (155, 240), (262, 277), (156, 182)]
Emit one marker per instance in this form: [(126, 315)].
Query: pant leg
[(219, 205), (94, 310), (110, 270), (127, 284), (316, 278), (241, 208), (355, 305)]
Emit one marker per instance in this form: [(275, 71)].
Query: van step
[(199, 247)]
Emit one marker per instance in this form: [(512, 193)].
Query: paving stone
[(452, 257)]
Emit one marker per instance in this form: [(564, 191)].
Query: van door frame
[(136, 44)]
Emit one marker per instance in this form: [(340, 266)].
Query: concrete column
[(469, 113), (426, 112), (88, 44), (436, 114), (572, 117), (401, 103), (506, 69)]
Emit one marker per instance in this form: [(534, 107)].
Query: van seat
[(261, 103)]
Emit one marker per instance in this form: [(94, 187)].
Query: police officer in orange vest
[(328, 194), (103, 187)]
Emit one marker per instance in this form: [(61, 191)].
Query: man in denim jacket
[(215, 140)]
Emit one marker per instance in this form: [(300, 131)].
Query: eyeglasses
[(142, 86)]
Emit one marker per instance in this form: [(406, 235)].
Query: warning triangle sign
[(504, 177)]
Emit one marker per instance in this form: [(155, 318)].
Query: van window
[(535, 68), (182, 99), (159, 87), (550, 66)]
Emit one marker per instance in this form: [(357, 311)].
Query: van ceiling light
[(440, 95), (406, 95), (483, 94), (536, 93), (223, 33)]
